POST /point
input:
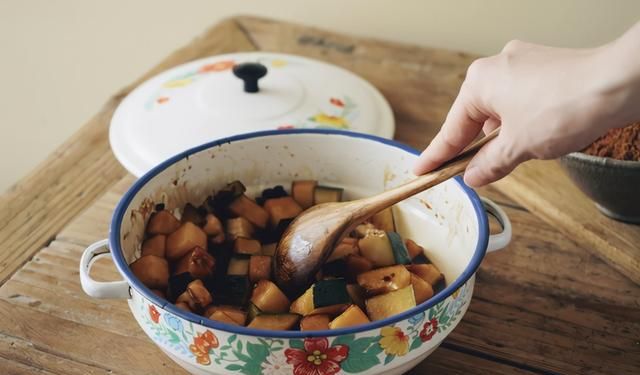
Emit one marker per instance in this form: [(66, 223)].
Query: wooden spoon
[(311, 237)]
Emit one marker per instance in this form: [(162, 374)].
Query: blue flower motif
[(416, 318), (173, 322)]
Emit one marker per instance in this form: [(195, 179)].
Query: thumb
[(494, 161)]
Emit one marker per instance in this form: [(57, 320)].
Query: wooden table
[(543, 305)]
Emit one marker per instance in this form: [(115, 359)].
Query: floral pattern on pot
[(338, 113), (345, 354)]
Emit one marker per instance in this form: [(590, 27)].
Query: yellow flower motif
[(394, 341), (278, 63), (177, 83), (455, 294), (333, 121)]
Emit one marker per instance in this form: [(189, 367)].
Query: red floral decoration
[(429, 330), (201, 346), (154, 314), (317, 358)]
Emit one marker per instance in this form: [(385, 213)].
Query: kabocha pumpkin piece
[(220, 316), (386, 305), (247, 246), (238, 316), (326, 194), (155, 245), (422, 290), (384, 280), (400, 251), (355, 265), (269, 249), (152, 271), (269, 298), (244, 206), (183, 306), (252, 312), (196, 296), (239, 227), (348, 246), (213, 228), (162, 222), (352, 316), (427, 272), (376, 247), (278, 322), (324, 297), (361, 230), (184, 239), (303, 192), (413, 248), (357, 295), (259, 268), (315, 322), (384, 220), (281, 209), (238, 266), (191, 214), (199, 263)]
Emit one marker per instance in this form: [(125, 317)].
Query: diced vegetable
[(400, 252), (220, 316), (196, 296), (303, 192), (384, 280), (336, 268), (352, 316), (259, 268), (223, 198), (197, 262), (386, 305), (247, 246), (421, 259), (238, 266), (422, 290), (162, 222), (152, 271), (183, 306), (413, 248), (213, 228), (252, 312), (356, 265), (384, 220), (232, 290), (303, 305), (271, 193), (326, 194), (274, 321), (331, 310), (376, 247), (239, 227), (362, 229), (159, 293), (190, 213), (282, 208), (245, 207), (155, 245), (269, 298), (238, 316), (357, 295), (348, 246), (178, 284), (269, 249), (184, 239), (427, 272), (324, 297), (315, 322)]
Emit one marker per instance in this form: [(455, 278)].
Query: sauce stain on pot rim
[(123, 266)]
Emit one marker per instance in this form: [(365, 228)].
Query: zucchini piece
[(336, 268), (155, 245), (384, 280), (243, 206), (422, 290), (259, 268), (191, 214), (269, 298), (232, 290), (199, 263), (184, 239), (348, 246), (276, 322), (239, 227), (247, 246), (376, 247), (178, 284), (352, 316), (281, 209), (303, 192), (238, 316), (357, 295), (220, 316), (271, 193), (238, 266), (421, 259), (387, 305), (269, 249), (400, 252), (326, 194), (330, 292), (383, 220), (356, 265), (162, 222), (152, 271), (315, 322), (197, 296), (228, 194), (427, 272), (213, 228), (252, 312), (413, 248)]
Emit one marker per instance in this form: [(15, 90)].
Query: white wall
[(60, 60)]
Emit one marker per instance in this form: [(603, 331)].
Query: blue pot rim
[(123, 266)]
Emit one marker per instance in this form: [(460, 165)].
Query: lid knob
[(250, 73)]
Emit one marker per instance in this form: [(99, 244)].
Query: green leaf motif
[(357, 364), (251, 368), (225, 347), (296, 344), (344, 340), (416, 343), (232, 338), (241, 356), (239, 346), (257, 352), (174, 337), (234, 367), (361, 344), (389, 358)]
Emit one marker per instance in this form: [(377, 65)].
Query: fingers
[(494, 161), (490, 125)]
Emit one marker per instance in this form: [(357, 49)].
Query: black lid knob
[(250, 73)]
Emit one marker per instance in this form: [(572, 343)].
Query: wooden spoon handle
[(449, 169)]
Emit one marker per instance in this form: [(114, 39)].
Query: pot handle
[(100, 289), (502, 239)]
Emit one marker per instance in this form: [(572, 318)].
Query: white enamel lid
[(204, 100)]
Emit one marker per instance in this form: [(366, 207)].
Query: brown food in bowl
[(621, 144)]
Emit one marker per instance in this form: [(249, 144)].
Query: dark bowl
[(614, 185)]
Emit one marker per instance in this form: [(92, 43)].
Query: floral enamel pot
[(449, 220)]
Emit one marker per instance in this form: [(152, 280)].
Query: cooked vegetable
[(315, 322), (232, 290), (259, 268), (357, 295), (375, 246), (223, 198), (197, 262), (427, 272), (324, 297), (191, 214), (155, 245), (392, 303), (362, 229), (271, 193), (159, 293), (269, 249), (245, 207), (400, 252), (239, 227), (383, 220), (178, 284), (356, 265), (183, 306), (184, 239), (348, 246), (422, 290), (326, 194), (274, 321), (281, 209), (269, 298), (303, 192), (238, 266), (220, 316), (336, 268), (162, 222), (152, 271), (384, 280), (247, 246), (413, 248), (196, 296), (352, 316), (238, 316), (252, 312), (213, 228)]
